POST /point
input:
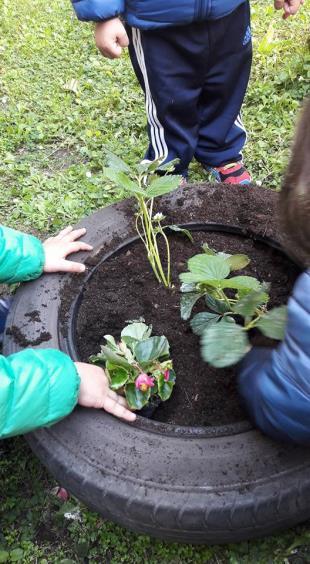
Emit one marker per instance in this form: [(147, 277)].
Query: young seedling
[(138, 365), (235, 305), (144, 184)]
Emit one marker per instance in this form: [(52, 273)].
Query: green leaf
[(170, 166), (248, 304), (126, 351), (185, 288), (151, 349), (241, 283), (267, 44), (208, 267), (190, 278), (135, 398), (148, 167), (97, 359), (135, 332), (119, 377), (142, 168), (223, 255), (163, 185), (110, 366), (224, 343), (4, 556), (16, 555), (121, 179), (111, 343), (116, 163), (236, 262), (273, 323), (207, 250), (82, 548), (114, 358), (183, 231), (187, 303), (216, 305), (202, 320), (164, 388)]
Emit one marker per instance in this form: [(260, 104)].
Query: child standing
[(192, 59)]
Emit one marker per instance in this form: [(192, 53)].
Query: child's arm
[(23, 257), (40, 387), (110, 33), (276, 384), (36, 388)]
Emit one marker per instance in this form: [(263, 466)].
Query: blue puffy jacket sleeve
[(37, 388), (21, 256), (275, 384), (98, 10)]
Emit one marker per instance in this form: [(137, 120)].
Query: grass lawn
[(61, 104)]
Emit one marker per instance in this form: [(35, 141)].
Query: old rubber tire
[(192, 485)]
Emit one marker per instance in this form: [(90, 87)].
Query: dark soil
[(124, 288), (20, 338)]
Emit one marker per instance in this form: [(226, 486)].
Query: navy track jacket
[(275, 384), (152, 14)]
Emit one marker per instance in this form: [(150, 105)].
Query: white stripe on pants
[(156, 129)]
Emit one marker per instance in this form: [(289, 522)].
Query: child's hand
[(95, 392), (57, 248), (290, 7), (111, 37)]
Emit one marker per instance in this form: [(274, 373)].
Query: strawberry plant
[(144, 184), (235, 304), (138, 365)]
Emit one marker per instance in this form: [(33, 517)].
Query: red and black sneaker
[(231, 173)]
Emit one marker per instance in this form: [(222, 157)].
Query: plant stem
[(149, 240), (144, 239), (252, 323), (168, 256), (222, 296), (158, 260)]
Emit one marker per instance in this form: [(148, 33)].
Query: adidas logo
[(247, 36)]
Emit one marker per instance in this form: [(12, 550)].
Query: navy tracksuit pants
[(194, 78)]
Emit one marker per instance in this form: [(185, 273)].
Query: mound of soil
[(124, 288)]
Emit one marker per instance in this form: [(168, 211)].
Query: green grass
[(52, 141)]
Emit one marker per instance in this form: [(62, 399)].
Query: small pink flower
[(144, 382), (166, 375)]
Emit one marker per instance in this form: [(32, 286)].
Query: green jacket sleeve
[(21, 256), (37, 388)]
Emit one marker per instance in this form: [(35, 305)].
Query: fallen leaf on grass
[(71, 86)]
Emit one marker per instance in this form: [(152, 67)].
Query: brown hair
[(295, 193)]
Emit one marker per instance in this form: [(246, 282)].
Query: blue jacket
[(276, 384), (150, 14)]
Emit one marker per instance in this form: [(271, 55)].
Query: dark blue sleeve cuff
[(98, 10)]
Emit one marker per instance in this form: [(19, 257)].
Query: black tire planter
[(198, 485)]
